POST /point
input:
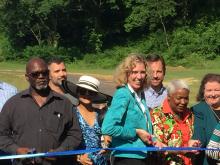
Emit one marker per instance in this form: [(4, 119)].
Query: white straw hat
[(89, 82)]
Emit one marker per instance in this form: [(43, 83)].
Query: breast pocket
[(55, 122)]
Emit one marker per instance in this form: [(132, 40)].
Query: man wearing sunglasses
[(58, 73), (39, 120)]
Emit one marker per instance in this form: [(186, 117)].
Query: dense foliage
[(102, 32)]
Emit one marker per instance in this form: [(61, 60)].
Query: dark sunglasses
[(38, 73), (86, 92)]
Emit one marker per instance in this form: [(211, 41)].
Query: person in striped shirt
[(214, 143), (6, 91)]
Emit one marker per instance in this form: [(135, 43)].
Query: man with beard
[(58, 73), (156, 92), (38, 119)]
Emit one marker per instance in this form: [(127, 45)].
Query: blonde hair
[(126, 66)]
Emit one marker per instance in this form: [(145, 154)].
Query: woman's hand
[(84, 159), (194, 143), (102, 152), (107, 140), (144, 136), (159, 144)]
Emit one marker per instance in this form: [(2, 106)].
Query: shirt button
[(40, 130)]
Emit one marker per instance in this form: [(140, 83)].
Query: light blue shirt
[(6, 92), (153, 98)]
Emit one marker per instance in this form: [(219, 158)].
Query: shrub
[(201, 40), (47, 52), (6, 50), (93, 41)]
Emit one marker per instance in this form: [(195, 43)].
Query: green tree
[(149, 13), (31, 21)]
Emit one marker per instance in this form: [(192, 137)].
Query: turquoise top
[(204, 125), (121, 121)]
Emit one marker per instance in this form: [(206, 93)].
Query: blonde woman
[(128, 120)]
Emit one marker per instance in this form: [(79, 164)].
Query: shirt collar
[(130, 88), (27, 93), (133, 92), (160, 92)]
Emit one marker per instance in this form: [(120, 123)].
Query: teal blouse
[(121, 121)]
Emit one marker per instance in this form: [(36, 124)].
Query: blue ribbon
[(77, 152)]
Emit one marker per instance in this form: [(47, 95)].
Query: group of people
[(143, 112)]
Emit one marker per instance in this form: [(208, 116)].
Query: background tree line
[(102, 32)]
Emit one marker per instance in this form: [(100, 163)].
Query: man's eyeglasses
[(38, 73), (86, 92)]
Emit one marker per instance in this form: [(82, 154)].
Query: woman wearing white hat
[(88, 90)]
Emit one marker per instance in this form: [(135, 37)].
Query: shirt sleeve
[(158, 129), (214, 143), (73, 134), (113, 123), (7, 144)]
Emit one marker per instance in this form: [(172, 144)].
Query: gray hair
[(174, 85)]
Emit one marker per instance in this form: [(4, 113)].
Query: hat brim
[(71, 88), (87, 87)]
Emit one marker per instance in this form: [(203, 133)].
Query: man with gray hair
[(173, 122)]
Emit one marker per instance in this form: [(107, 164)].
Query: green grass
[(192, 76), (74, 68), (11, 65), (15, 78), (13, 73)]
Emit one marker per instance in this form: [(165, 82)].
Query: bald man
[(38, 119)]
